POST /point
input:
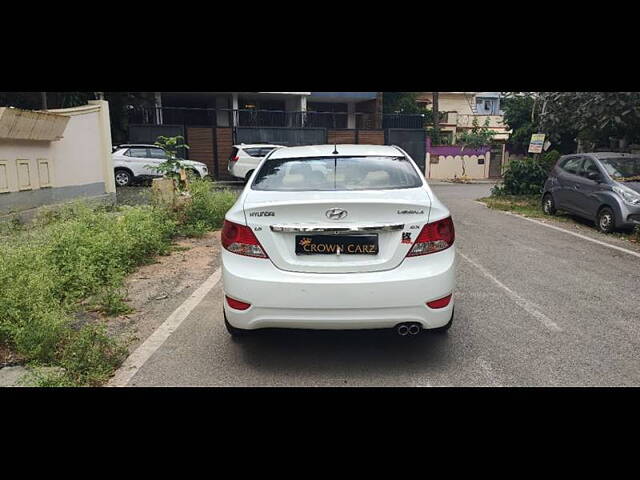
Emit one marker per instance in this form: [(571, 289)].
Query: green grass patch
[(77, 258), (207, 208), (529, 205)]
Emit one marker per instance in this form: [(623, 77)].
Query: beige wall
[(449, 166), (82, 157)]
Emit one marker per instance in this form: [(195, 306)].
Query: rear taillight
[(440, 303), (241, 240), (234, 159), (434, 237), (237, 304)]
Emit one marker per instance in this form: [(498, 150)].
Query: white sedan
[(338, 237)]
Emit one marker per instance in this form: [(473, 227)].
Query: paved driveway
[(534, 306)]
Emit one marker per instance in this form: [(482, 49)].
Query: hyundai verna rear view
[(338, 237)]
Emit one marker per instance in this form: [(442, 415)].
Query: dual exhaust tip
[(405, 329)]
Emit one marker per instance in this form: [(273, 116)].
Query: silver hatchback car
[(603, 187)]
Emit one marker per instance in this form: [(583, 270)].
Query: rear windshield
[(336, 173), (623, 169)]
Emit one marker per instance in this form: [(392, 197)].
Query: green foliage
[(549, 159), (517, 115), (401, 102), (478, 136), (594, 117), (65, 257), (522, 177), (77, 257), (172, 166), (206, 209), (528, 205)]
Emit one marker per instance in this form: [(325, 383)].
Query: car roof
[(342, 149), (256, 145), (605, 154), (129, 145)]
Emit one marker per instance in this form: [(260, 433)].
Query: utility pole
[(436, 116), (44, 100)]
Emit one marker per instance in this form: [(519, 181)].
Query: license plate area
[(366, 244)]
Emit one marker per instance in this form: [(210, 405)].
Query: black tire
[(606, 220), (234, 331), (192, 174), (248, 176), (548, 204), (123, 178), (444, 328)]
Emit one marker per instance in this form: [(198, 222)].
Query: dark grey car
[(603, 187)]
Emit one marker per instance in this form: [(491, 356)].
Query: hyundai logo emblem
[(336, 213)]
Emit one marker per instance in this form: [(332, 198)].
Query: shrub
[(206, 209), (66, 257), (76, 256), (522, 177)]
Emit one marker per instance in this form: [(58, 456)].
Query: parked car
[(134, 162), (338, 237), (603, 187), (245, 158)]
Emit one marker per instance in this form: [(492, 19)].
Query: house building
[(458, 110), (212, 122), (276, 109)]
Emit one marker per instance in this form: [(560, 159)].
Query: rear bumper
[(236, 170), (338, 301)]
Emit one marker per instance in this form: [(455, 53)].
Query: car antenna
[(335, 149)]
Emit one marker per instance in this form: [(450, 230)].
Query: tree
[(595, 118), (518, 111)]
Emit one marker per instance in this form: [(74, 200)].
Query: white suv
[(138, 161), (245, 158)]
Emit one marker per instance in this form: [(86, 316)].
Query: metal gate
[(495, 161), (412, 141), (281, 136)]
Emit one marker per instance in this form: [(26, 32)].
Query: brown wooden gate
[(201, 147), (211, 146)]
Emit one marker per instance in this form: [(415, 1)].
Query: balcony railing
[(269, 118), (250, 118)]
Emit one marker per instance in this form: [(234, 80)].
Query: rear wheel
[(192, 174), (123, 178), (548, 205), (444, 328), (606, 220)]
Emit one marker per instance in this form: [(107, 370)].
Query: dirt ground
[(9, 358), (156, 290)]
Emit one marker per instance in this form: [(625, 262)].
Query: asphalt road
[(534, 307)]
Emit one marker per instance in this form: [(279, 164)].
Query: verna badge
[(336, 213)]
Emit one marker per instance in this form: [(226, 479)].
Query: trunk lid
[(395, 216)]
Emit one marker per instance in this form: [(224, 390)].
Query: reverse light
[(237, 304), (434, 237), (240, 239), (440, 303)]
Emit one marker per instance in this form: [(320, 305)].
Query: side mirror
[(595, 176)]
